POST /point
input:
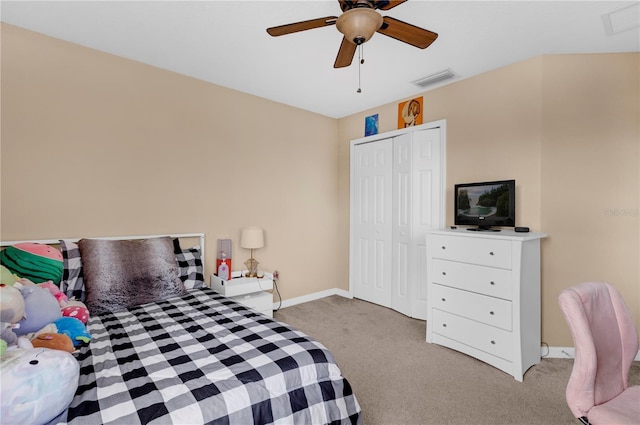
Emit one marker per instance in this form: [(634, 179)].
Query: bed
[(196, 357)]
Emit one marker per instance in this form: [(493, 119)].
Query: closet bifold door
[(397, 190), (371, 221)]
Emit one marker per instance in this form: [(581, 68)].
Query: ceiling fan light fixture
[(358, 25)]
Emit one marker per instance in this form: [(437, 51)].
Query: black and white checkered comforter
[(202, 358)]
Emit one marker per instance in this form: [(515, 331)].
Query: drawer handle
[(493, 342), (491, 313), (444, 247), (492, 283), (444, 273), (444, 300), (444, 325), (491, 253)]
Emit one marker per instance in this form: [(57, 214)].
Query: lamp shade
[(252, 238)]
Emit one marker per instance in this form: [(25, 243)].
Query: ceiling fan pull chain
[(360, 62)]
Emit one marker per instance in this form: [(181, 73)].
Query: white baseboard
[(312, 297), (548, 352), (565, 353), (557, 352)]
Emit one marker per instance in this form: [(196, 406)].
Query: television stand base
[(483, 229)]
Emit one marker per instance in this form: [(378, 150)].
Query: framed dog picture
[(410, 113)]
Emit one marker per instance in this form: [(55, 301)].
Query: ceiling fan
[(358, 22)]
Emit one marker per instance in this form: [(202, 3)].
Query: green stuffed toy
[(6, 277), (36, 262)]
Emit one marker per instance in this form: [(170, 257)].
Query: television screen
[(486, 204)]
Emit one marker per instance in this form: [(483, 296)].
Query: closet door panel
[(402, 267), (372, 214), (426, 212)]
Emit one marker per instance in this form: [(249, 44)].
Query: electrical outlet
[(276, 274)]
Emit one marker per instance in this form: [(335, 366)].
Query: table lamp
[(252, 238)]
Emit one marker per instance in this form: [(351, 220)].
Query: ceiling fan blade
[(407, 33), (345, 54), (386, 5), (302, 26)]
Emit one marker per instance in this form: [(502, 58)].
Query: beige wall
[(590, 178), (567, 129), (94, 145)]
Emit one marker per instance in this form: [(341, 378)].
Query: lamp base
[(252, 268)]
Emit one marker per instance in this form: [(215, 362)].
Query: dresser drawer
[(486, 338), (481, 308), (484, 252), (481, 279)]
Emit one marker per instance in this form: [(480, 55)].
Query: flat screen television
[(486, 204)]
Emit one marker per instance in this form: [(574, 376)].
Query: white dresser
[(248, 291), (483, 296)]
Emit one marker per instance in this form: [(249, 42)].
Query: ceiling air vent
[(622, 19), (434, 78)]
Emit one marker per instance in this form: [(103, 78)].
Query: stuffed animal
[(6, 329), (76, 309), (55, 291), (11, 311), (37, 385), (53, 341), (40, 307), (74, 329), (36, 262), (11, 300), (6, 277)]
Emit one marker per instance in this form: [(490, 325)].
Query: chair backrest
[(606, 342)]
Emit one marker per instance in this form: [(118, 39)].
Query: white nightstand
[(248, 291)]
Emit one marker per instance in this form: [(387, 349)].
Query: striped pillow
[(190, 265), (72, 280)]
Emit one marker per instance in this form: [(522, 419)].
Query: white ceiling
[(225, 42)]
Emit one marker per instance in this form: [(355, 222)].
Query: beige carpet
[(399, 378)]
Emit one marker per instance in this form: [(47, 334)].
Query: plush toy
[(53, 341), (76, 309), (74, 329), (40, 307), (6, 330), (11, 301), (37, 385), (11, 311), (49, 329), (55, 291), (36, 262), (6, 277)]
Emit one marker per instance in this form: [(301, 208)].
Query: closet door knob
[(444, 247), (444, 300), (493, 342), (491, 253), (444, 325), (444, 273), (492, 283), (491, 313)]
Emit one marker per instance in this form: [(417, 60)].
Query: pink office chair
[(606, 343)]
